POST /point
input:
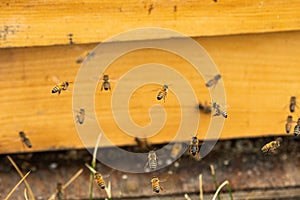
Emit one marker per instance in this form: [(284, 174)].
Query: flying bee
[(162, 94), (293, 103), (289, 123), (297, 128), (272, 146), (60, 87), (142, 144), (99, 180), (152, 160), (218, 110), (194, 146), (24, 139), (205, 108), (106, 83), (80, 116), (213, 81), (155, 184)]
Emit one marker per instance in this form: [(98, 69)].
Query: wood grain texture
[(260, 73), (43, 23)]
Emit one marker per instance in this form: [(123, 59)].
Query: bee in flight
[(85, 55), (142, 144), (297, 128), (99, 180), (289, 123), (293, 103), (162, 94), (218, 110), (60, 87), (205, 108), (213, 81), (24, 139), (152, 160), (105, 84), (80, 116), (155, 184), (194, 146), (272, 146)]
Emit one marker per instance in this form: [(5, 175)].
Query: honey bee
[(218, 110), (60, 87), (205, 108), (99, 180), (106, 83), (152, 160), (80, 116), (194, 146), (162, 94), (213, 81), (289, 122), (24, 139), (297, 128), (155, 184), (271, 146), (59, 192), (293, 103), (143, 144)]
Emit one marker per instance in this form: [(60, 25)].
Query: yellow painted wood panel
[(43, 23), (260, 73)]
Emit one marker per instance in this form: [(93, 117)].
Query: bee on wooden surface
[(60, 87), (142, 144), (205, 108), (194, 146), (272, 146), (162, 94), (155, 185), (293, 103), (24, 139), (152, 160), (213, 81), (297, 128), (289, 123), (59, 192), (99, 180), (218, 110), (80, 116)]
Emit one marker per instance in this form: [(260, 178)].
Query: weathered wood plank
[(260, 73), (35, 23)]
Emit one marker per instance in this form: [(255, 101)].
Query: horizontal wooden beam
[(260, 73), (44, 23)]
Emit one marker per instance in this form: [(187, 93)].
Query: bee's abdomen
[(55, 89), (101, 184), (152, 164), (156, 189)]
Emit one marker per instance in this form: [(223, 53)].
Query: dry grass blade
[(31, 195), (219, 189), (212, 169), (52, 197), (94, 165), (187, 197), (90, 168), (108, 190), (200, 187), (25, 194), (10, 193)]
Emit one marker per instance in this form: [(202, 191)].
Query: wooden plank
[(259, 72), (40, 23), (252, 174)]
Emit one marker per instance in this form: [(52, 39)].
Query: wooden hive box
[(254, 44)]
